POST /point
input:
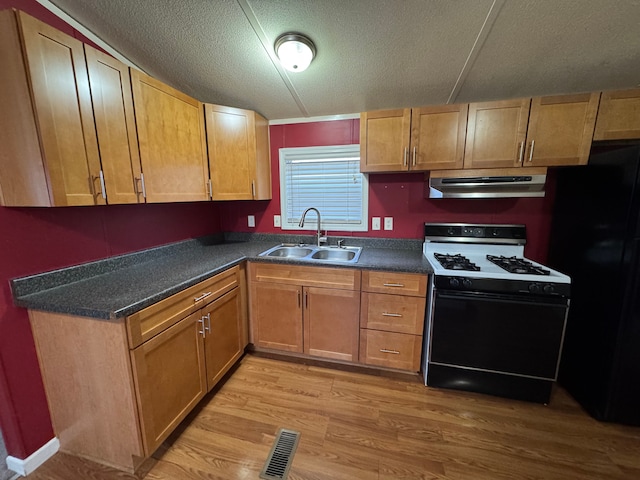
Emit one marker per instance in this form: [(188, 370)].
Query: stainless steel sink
[(339, 255), (313, 253), (290, 252)]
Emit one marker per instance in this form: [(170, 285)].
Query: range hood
[(487, 183)]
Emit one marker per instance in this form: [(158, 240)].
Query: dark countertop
[(120, 286)]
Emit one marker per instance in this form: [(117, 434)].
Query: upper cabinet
[(116, 127), (238, 148), (384, 140), (618, 116), (419, 139), (560, 130), (545, 131), (496, 133), (49, 151), (172, 142)]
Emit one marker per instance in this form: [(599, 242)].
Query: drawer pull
[(202, 297), (395, 352), (385, 314), (393, 285)]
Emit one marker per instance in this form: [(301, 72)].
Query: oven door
[(514, 334)]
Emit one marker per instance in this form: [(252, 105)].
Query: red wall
[(400, 196), (34, 240)]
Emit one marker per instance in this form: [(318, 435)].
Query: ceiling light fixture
[(295, 51)]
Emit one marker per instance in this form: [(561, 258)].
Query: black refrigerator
[(595, 239)]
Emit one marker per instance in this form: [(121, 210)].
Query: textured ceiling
[(372, 54)]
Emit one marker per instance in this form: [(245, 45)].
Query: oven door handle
[(492, 297)]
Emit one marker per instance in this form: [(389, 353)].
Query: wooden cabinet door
[(169, 375), (560, 130), (276, 312), (223, 335), (231, 144), (116, 127), (172, 141), (618, 116), (496, 134), (437, 137), (331, 327), (62, 103), (384, 140)]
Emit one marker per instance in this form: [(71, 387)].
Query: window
[(327, 178)]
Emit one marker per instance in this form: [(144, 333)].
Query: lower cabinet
[(392, 319), (311, 310), (116, 399)]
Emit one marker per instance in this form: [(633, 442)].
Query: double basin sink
[(314, 253)]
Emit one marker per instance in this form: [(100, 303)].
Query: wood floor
[(357, 426)]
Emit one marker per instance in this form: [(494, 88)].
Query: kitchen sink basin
[(313, 253), (339, 255), (290, 252)]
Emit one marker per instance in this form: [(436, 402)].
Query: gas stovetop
[(484, 252)]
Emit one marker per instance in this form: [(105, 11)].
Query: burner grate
[(517, 265), (456, 262)]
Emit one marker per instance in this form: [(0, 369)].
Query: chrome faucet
[(301, 224)]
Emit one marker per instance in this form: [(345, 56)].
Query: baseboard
[(33, 461)]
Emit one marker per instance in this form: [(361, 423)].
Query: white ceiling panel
[(372, 54), (549, 46)]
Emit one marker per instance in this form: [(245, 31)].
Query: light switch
[(375, 223), (251, 220), (388, 223), (276, 221)]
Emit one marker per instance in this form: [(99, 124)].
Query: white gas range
[(496, 319)]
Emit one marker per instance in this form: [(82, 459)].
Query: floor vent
[(281, 455)]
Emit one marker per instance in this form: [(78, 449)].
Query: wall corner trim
[(33, 461)]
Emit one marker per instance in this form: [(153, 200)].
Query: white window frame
[(316, 153)]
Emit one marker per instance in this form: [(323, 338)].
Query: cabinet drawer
[(143, 325), (393, 350), (392, 313), (395, 283), (312, 276)]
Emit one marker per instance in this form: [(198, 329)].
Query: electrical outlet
[(375, 223), (388, 223), (251, 220), (276, 221)]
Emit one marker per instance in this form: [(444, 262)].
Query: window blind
[(327, 178)]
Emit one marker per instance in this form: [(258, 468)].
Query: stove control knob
[(548, 289), (466, 283), (454, 282), (535, 288)]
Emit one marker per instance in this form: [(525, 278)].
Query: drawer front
[(392, 350), (395, 283), (392, 313), (312, 276), (145, 324)]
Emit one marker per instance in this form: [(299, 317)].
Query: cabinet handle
[(385, 314), (393, 284), (144, 190), (531, 151), (208, 317), (253, 188), (306, 300), (395, 352), (202, 297), (521, 154), (202, 332), (406, 153), (210, 189), (103, 189), (414, 157), (299, 299)]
